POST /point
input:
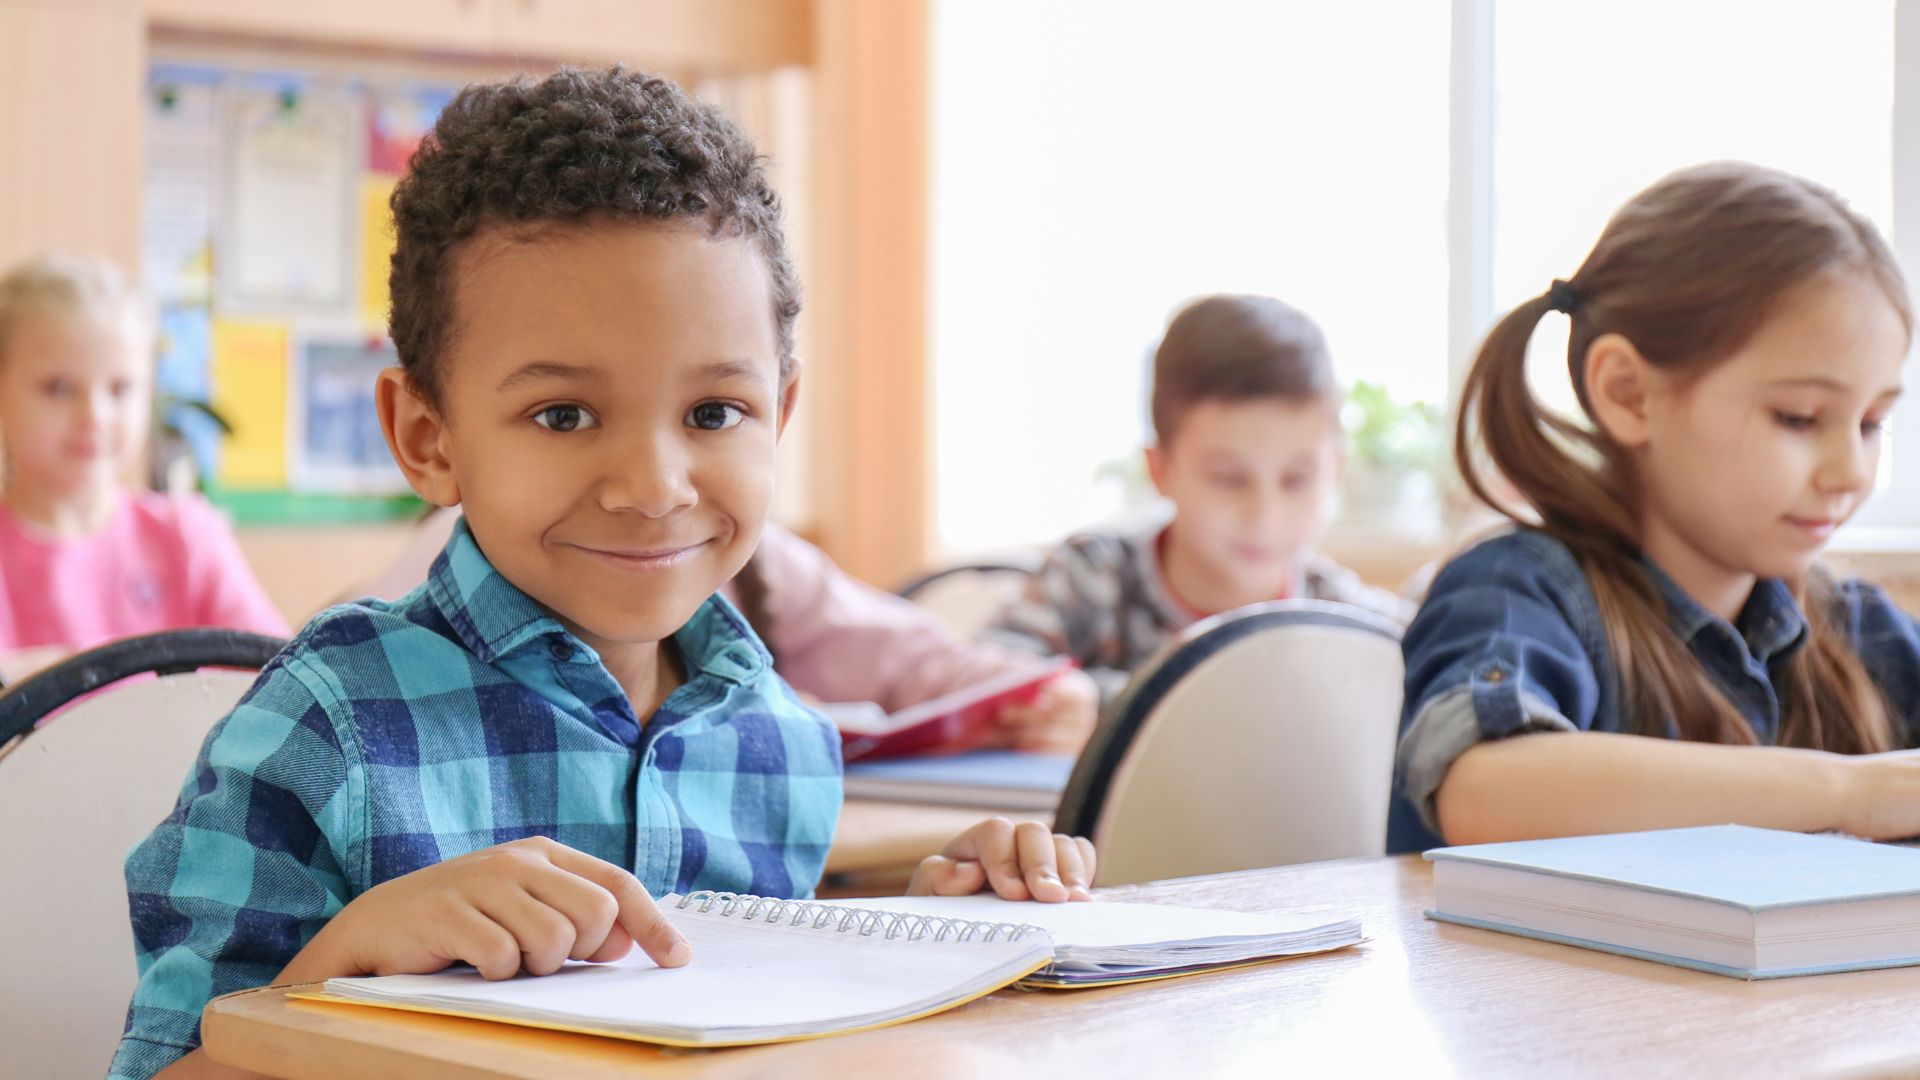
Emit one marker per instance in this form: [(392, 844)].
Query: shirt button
[(560, 650), (1496, 676)]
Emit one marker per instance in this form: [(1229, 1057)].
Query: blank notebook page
[(748, 982)]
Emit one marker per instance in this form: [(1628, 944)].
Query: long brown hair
[(1687, 271)]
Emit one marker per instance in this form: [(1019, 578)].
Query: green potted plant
[(1395, 453)]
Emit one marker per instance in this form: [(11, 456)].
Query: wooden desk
[(1421, 998)]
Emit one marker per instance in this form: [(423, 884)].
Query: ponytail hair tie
[(1563, 297)]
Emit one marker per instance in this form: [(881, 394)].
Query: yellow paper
[(250, 390), (376, 248)]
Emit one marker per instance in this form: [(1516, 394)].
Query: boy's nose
[(1267, 513), (648, 478)]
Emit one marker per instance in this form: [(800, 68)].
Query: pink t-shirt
[(161, 563)]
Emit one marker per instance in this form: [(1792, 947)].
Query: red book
[(958, 721)]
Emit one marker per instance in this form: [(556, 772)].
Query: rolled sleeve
[(1448, 727), (1507, 643)]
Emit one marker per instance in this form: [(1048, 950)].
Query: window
[(1593, 102), (1096, 164)]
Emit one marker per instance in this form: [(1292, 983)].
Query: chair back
[(77, 793), (1261, 737), (967, 596)]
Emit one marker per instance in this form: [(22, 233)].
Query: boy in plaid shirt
[(594, 309)]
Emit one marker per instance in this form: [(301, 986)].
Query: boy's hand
[(1058, 720), (1021, 862), (529, 905)]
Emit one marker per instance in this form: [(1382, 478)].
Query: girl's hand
[(529, 905), (1882, 796), (1058, 720), (1022, 862)]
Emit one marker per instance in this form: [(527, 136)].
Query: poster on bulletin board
[(249, 380), (268, 236), (334, 442), (289, 201)]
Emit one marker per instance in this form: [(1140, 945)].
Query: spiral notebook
[(778, 970), (762, 971), (1107, 942)]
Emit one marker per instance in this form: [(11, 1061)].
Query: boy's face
[(1251, 482), (610, 401)]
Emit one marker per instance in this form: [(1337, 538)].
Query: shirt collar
[(489, 613), (1770, 623), (494, 618)]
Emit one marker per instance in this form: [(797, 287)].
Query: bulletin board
[(266, 240)]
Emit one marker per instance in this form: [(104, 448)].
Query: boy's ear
[(416, 435), (789, 396), (1157, 468), (1620, 385)]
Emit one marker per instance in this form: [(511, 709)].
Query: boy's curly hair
[(615, 144)]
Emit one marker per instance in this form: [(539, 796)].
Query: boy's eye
[(1873, 426), (714, 415), (1295, 481), (1228, 480), (564, 418), (121, 387), (1793, 421), (58, 388)]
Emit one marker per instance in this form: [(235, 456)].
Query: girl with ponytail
[(1654, 645)]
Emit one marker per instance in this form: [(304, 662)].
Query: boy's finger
[(543, 935), (590, 908), (992, 844), (617, 944), (643, 919), (1089, 859), (1073, 873), (941, 876), (1039, 868), (476, 939)]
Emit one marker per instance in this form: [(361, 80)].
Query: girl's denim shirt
[(1510, 641)]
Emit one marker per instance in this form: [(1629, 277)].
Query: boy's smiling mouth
[(645, 559)]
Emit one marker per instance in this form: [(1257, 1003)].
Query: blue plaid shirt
[(1510, 640), (390, 737)]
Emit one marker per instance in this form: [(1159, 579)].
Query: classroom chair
[(76, 793), (967, 596), (1260, 737)]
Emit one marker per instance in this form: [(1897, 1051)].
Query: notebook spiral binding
[(888, 924)]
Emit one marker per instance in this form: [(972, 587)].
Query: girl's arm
[(840, 639), (1569, 783)]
